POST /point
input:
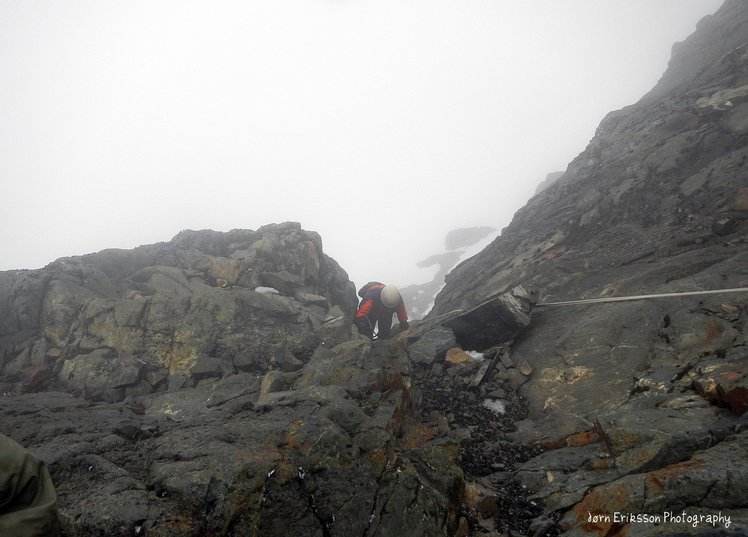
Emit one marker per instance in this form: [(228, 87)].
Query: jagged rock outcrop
[(125, 323), (639, 406), (215, 387), (333, 440)]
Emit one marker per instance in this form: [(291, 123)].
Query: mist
[(380, 125)]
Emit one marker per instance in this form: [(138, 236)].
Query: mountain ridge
[(656, 203)]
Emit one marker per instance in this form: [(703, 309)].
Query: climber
[(378, 303), (28, 502)]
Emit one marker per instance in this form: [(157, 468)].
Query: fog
[(381, 125)]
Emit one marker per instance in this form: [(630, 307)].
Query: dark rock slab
[(495, 321), (432, 345), (320, 451)]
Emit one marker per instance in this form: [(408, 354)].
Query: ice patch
[(495, 405), (267, 290)]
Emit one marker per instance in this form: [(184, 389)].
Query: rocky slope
[(172, 391), (212, 385), (639, 405)]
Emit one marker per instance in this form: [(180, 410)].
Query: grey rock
[(287, 362), (311, 299), (635, 402), (483, 371), (243, 456), (118, 317), (285, 282), (432, 346), (460, 435), (336, 327), (496, 393), (548, 181), (515, 378), (207, 367), (613, 226), (506, 360), (724, 226), (497, 320)]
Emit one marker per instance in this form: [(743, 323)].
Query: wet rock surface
[(627, 399), (480, 419), (120, 324), (324, 452), (212, 385)]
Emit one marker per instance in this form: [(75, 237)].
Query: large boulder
[(124, 323), (493, 321)]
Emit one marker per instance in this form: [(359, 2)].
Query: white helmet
[(390, 296)]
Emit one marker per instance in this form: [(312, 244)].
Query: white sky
[(379, 124)]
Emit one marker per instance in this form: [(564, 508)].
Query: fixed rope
[(641, 297)]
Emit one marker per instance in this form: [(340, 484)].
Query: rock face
[(639, 406), (337, 435), (319, 451), (212, 385), (125, 323)]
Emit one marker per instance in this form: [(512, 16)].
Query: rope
[(641, 297)]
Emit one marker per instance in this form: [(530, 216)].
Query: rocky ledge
[(124, 323)]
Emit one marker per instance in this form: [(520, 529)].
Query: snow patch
[(267, 290), (469, 252), (495, 405)]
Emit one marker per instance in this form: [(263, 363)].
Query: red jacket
[(371, 303)]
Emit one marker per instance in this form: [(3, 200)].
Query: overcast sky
[(379, 124)]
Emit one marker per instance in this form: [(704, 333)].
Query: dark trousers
[(383, 322)]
